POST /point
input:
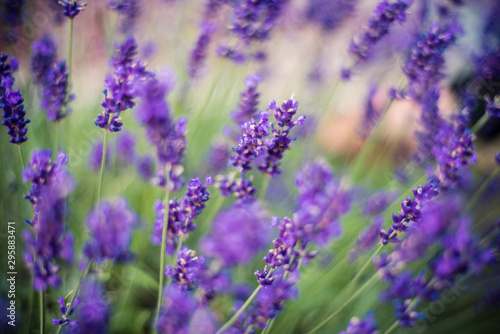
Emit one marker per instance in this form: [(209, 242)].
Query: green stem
[(21, 155), (479, 124), (477, 195), (103, 163), (242, 308), (393, 327), (346, 303), (163, 242), (42, 312), (263, 187)]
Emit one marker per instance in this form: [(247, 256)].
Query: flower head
[(63, 308), (11, 102), (110, 225), (71, 8), (365, 325)]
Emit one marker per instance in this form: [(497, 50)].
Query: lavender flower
[(110, 225), (13, 17), (146, 167), (182, 214), (120, 90), (367, 237), (189, 267), (218, 155), (238, 233), (52, 77), (177, 309), (231, 53), (405, 313), (251, 144), (430, 124), (280, 141), (411, 210), (93, 313), (424, 66), (454, 149), (378, 202), (167, 136), (241, 188), (11, 102), (128, 11), (249, 101), (71, 8), (199, 53), (371, 115), (44, 57), (378, 26), (125, 148), (47, 242), (365, 325), (63, 307), (95, 156), (329, 15)]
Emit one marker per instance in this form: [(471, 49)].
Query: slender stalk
[(103, 163), (163, 243), (346, 303), (242, 308), (393, 327), (477, 195), (263, 187), (479, 124), (42, 312), (21, 155)]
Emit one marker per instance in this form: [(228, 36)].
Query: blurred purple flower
[(11, 102), (367, 237), (329, 14), (125, 148), (93, 314), (71, 8), (95, 156), (176, 311), (237, 234), (365, 325), (110, 225), (189, 266), (378, 202), (493, 106), (199, 53), (128, 11), (249, 101), (47, 242)]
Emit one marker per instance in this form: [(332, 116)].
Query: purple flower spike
[(329, 15), (365, 325), (93, 312), (383, 17), (251, 144), (63, 307), (249, 101), (178, 307), (199, 53), (241, 188), (72, 8), (237, 235), (47, 242), (120, 89), (11, 102), (44, 57), (110, 225), (128, 11), (189, 267), (280, 142)]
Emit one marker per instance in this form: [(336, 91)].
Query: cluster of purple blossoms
[(93, 311), (378, 26), (242, 188), (251, 145), (444, 240), (11, 102), (180, 313), (329, 15), (199, 53), (167, 135), (71, 8), (365, 325), (182, 214), (47, 241), (120, 89), (425, 64), (454, 149), (189, 268), (430, 124), (52, 77), (254, 142), (110, 225), (411, 211), (238, 233), (63, 308), (280, 140), (249, 101), (128, 11)]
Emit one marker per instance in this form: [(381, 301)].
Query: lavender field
[(250, 166)]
